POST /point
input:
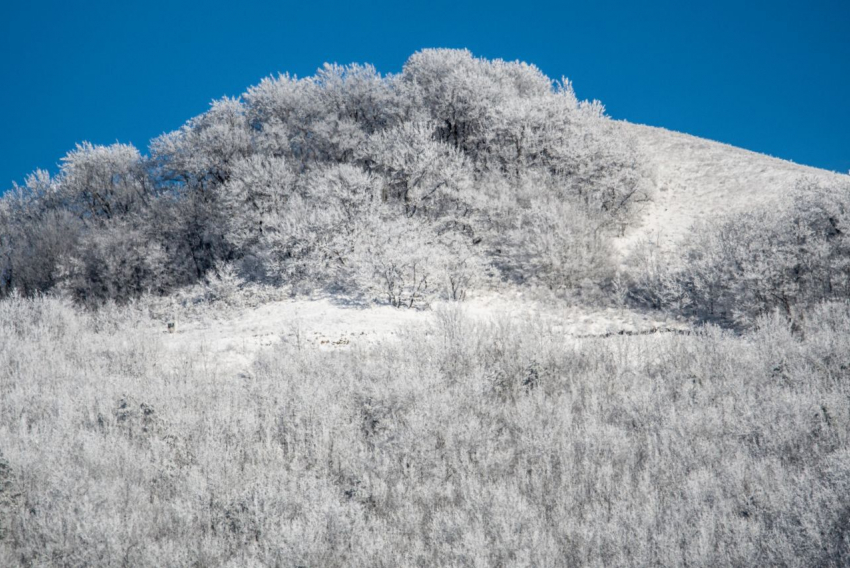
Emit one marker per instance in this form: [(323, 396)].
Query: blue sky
[(771, 76)]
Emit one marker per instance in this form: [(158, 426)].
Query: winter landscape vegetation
[(449, 317)]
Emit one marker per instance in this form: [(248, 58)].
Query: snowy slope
[(698, 179)]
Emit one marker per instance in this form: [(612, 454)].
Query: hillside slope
[(697, 179)]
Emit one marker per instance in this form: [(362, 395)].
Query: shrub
[(749, 264), (488, 442)]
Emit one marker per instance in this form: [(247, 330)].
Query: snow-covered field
[(513, 447), (327, 323)]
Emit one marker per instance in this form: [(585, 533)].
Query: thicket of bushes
[(784, 259), (398, 187), (500, 445)]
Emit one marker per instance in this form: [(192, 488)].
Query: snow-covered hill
[(694, 179), (697, 179)]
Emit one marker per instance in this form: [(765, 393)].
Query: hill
[(453, 317)]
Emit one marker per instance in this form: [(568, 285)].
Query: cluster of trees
[(453, 171), (783, 259)]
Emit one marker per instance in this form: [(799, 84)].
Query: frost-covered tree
[(36, 231), (103, 183), (195, 162), (461, 92), (310, 234), (326, 117), (601, 165), (355, 101), (422, 173), (201, 154), (119, 262), (257, 191), (349, 199)]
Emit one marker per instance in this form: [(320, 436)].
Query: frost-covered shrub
[(488, 442), (462, 268), (553, 241), (118, 262), (223, 285), (749, 264), (396, 264)]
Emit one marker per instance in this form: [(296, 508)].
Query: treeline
[(399, 187), (454, 173)]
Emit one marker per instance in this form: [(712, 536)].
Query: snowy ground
[(326, 324), (697, 179)]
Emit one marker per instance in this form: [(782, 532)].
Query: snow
[(697, 179), (327, 323)]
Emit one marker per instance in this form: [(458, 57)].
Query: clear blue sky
[(771, 76)]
